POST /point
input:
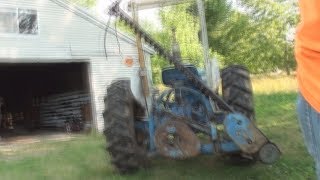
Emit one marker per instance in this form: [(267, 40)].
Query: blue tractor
[(186, 120)]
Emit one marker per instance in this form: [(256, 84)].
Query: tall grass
[(274, 84)]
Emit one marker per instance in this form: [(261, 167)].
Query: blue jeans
[(310, 125)]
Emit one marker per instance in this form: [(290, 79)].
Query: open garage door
[(43, 96)]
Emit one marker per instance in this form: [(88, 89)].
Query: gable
[(64, 31)]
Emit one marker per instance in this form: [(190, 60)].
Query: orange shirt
[(307, 51)]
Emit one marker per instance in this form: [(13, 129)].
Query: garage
[(46, 49), (43, 96)]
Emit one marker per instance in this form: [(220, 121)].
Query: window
[(28, 21), (18, 21), (8, 23)]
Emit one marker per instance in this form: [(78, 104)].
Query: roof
[(97, 21)]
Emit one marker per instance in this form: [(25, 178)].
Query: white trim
[(37, 60), (92, 98)]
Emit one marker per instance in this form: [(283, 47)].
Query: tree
[(84, 3), (276, 18), (187, 28), (253, 33)]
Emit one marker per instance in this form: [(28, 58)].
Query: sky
[(150, 14)]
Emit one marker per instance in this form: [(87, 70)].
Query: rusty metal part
[(193, 124), (174, 139), (255, 144)]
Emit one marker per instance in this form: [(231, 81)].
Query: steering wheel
[(193, 102)]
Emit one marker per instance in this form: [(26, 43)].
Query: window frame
[(16, 19), (17, 33), (37, 19)]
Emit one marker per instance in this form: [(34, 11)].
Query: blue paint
[(141, 125), (214, 133), (234, 124), (189, 103), (207, 149), (172, 76), (223, 147), (228, 147), (237, 127), (151, 134), (171, 130), (178, 110)]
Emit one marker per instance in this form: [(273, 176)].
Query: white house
[(55, 54)]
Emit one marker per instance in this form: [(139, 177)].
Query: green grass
[(85, 157)]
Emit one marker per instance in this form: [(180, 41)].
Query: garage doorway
[(43, 96)]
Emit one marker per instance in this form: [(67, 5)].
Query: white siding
[(67, 34), (103, 72), (62, 33)]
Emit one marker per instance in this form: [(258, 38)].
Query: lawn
[(85, 157)]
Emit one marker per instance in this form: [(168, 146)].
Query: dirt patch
[(11, 145)]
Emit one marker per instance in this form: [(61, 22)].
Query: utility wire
[(118, 42), (106, 30), (105, 37)]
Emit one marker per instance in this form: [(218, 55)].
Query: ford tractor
[(187, 119)]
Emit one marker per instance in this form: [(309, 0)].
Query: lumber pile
[(61, 107)]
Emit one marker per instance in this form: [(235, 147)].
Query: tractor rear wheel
[(237, 90), (120, 134)]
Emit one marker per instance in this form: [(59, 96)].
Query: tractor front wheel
[(120, 134)]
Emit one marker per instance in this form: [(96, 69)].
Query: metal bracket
[(143, 72)]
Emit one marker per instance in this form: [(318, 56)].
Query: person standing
[(307, 53)]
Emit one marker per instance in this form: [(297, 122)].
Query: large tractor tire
[(119, 116), (237, 90)]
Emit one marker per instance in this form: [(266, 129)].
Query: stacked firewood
[(59, 108), (6, 120)]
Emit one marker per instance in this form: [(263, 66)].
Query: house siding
[(103, 72), (68, 34)]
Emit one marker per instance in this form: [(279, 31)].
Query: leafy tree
[(253, 33), (85, 3), (277, 17), (187, 28)]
